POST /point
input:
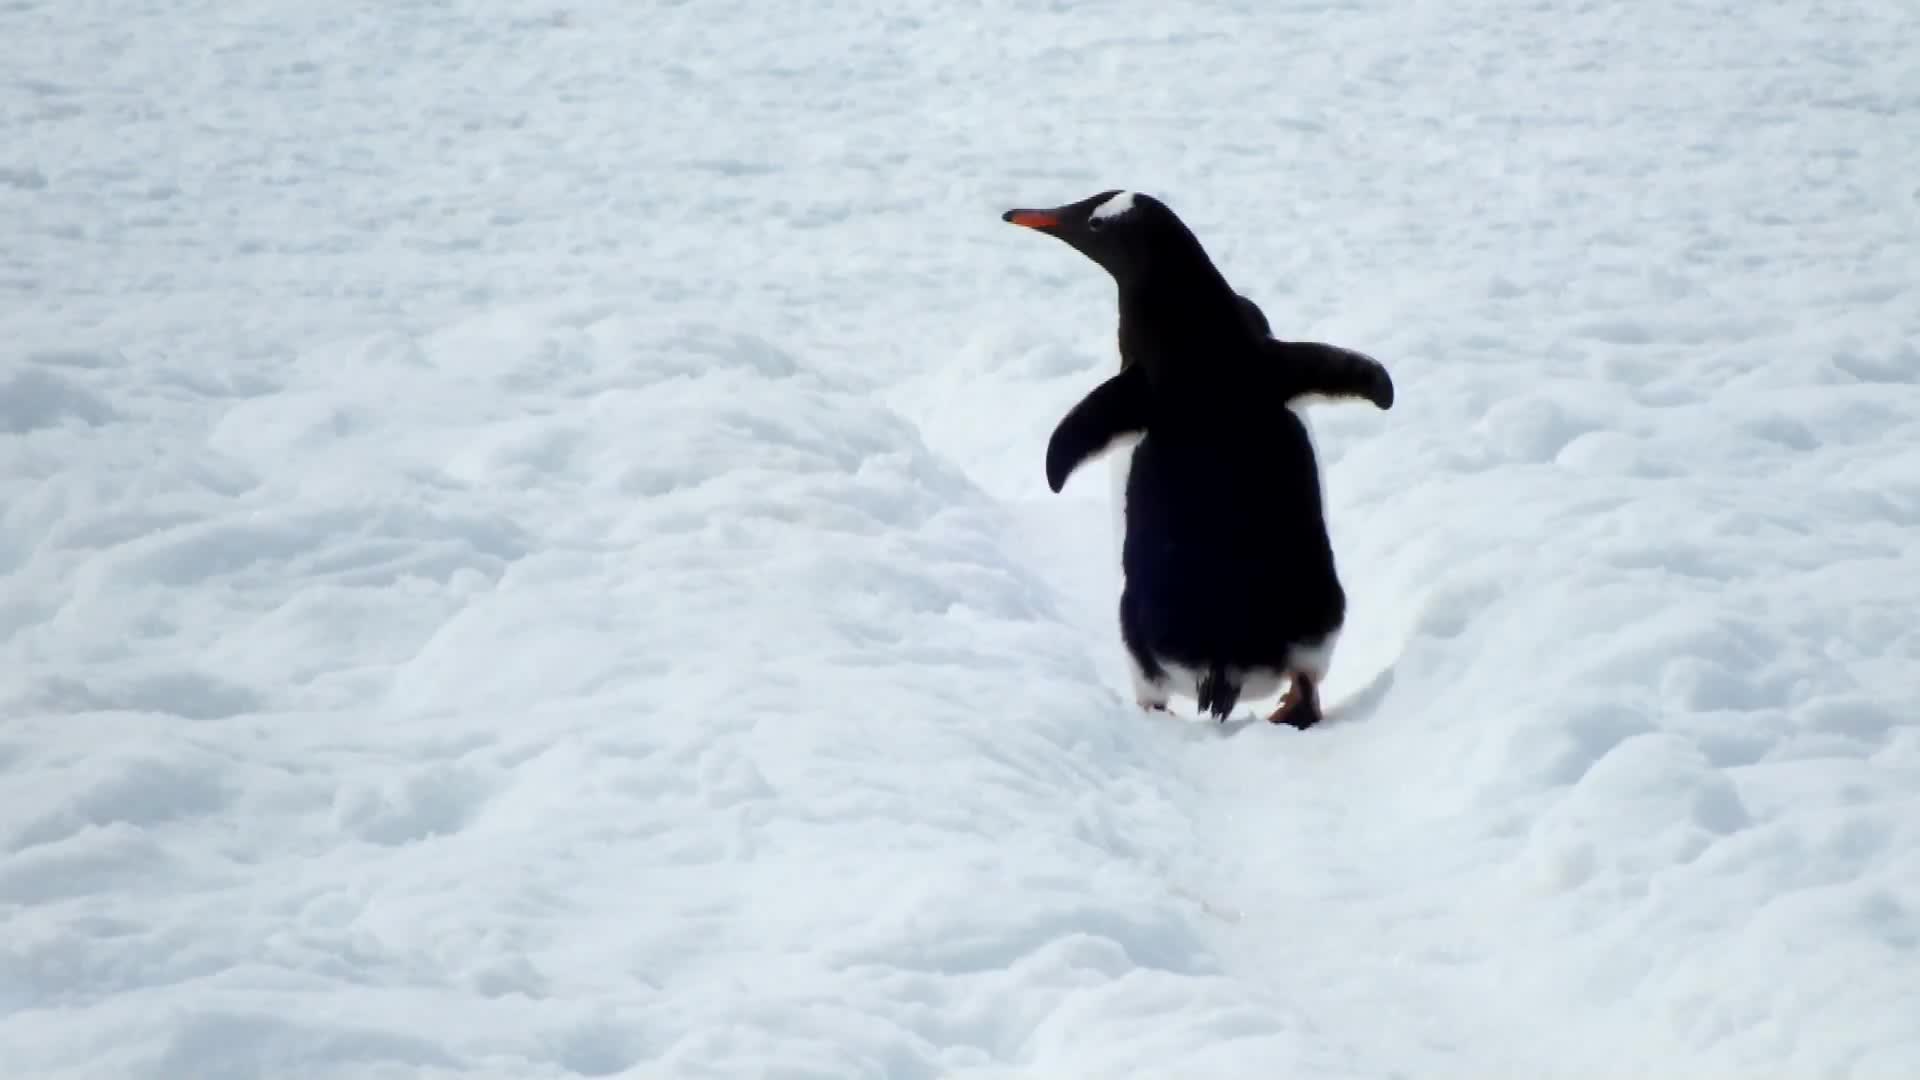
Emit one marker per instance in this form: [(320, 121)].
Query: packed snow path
[(523, 550)]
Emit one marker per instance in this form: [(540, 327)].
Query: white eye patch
[(1113, 207)]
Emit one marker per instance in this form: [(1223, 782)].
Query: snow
[(523, 549)]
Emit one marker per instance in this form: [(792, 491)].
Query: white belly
[(1119, 464)]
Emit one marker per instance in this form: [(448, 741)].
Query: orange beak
[(1032, 219)]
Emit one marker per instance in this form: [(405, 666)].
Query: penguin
[(1229, 582)]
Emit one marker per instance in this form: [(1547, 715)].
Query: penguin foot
[(1299, 707), (1149, 693)]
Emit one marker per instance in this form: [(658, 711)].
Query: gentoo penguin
[(1230, 587)]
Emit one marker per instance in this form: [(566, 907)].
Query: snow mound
[(591, 694)]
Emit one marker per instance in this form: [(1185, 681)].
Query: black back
[(1226, 554)]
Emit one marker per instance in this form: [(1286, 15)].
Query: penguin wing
[(1111, 411), (1301, 368)]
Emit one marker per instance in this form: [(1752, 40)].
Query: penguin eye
[(1096, 224)]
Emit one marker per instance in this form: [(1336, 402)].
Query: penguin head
[(1120, 230)]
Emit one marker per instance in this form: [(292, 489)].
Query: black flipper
[(1299, 368), (1115, 408)]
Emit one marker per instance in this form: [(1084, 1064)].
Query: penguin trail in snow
[(1229, 584)]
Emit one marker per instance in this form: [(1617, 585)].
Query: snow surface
[(523, 547)]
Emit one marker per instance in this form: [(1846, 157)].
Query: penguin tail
[(1217, 693)]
